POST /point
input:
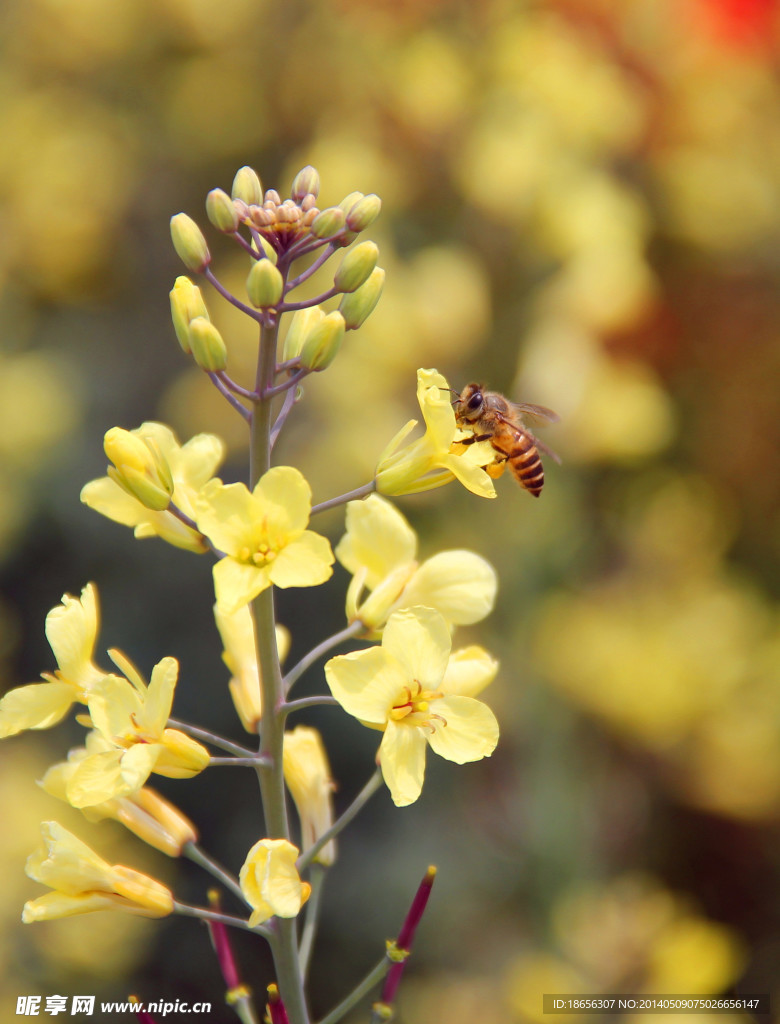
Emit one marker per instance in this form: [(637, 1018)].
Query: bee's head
[(469, 403)]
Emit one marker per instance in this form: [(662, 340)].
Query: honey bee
[(494, 418)]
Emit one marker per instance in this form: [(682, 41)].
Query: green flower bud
[(189, 243), (364, 212), (356, 267), (139, 468), (247, 186), (186, 303), (207, 346), (221, 211), (323, 342), (357, 306), (303, 321), (328, 222), (264, 285), (305, 183), (349, 201)]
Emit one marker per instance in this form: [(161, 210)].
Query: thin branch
[(359, 492), (307, 702), (212, 279), (226, 393), (258, 761), (354, 629), (279, 389), (199, 856), (324, 255), (211, 915), (371, 979), (284, 412), (292, 307), (235, 387), (351, 812), (211, 737), (313, 904)]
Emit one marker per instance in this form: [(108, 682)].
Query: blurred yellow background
[(581, 210)]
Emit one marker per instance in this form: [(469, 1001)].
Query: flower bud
[(357, 306), (305, 183), (349, 201), (356, 267), (328, 222), (186, 303), (307, 774), (189, 243), (139, 468), (264, 285), (301, 324), (364, 212), (248, 187), (207, 346), (221, 211), (323, 342)]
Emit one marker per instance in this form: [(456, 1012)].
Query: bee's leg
[(474, 438)]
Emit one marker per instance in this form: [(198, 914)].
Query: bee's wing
[(539, 412)]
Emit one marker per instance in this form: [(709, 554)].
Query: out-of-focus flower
[(71, 629), (307, 774), (379, 549), (191, 465), (131, 718), (240, 656), (83, 882), (430, 460), (145, 813), (406, 689), (263, 535), (270, 881)]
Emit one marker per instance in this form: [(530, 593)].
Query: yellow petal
[(378, 538), (469, 671), (286, 494), (402, 759), (159, 697), (236, 584), (114, 706), (305, 562), (225, 513), (366, 683), (36, 706), (459, 584), (270, 880), (71, 629), (471, 732), (419, 639)]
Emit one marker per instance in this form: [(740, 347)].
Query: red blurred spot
[(742, 24)]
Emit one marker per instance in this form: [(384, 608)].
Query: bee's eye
[(475, 401)]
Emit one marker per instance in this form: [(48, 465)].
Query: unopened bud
[(264, 285), (364, 212), (221, 211), (328, 222), (323, 342), (349, 201), (207, 345), (356, 267), (303, 321), (247, 186), (357, 306), (186, 303), (305, 183), (189, 243), (139, 468)]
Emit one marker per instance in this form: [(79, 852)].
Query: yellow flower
[(145, 813), (414, 690), (263, 535), (430, 461), (82, 882), (130, 718), (379, 549), (270, 881), (240, 656), (307, 774), (71, 629), (190, 465)]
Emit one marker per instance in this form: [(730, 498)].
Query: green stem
[(354, 808), (284, 942), (359, 492), (317, 877), (199, 856), (371, 979), (354, 629), (187, 910)]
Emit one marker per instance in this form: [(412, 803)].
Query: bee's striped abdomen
[(524, 461)]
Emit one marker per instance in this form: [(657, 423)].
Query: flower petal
[(471, 732), (378, 538), (236, 583), (469, 671), (305, 562), (402, 759), (159, 696), (366, 683), (286, 496), (459, 584), (225, 513), (474, 478), (420, 640), (114, 705), (35, 706)]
